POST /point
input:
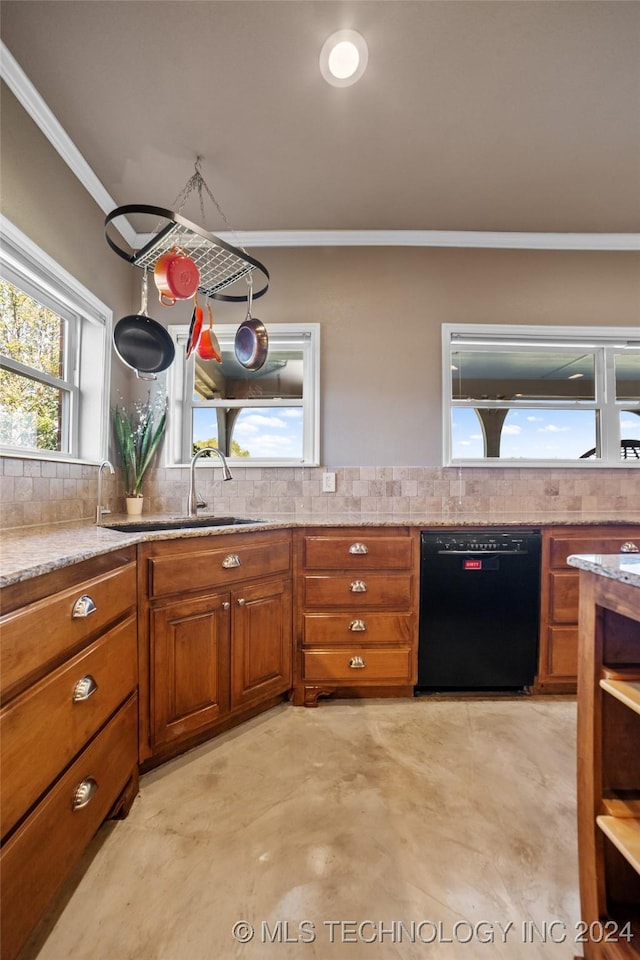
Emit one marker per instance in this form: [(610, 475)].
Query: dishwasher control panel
[(480, 541)]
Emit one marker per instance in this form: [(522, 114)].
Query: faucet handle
[(200, 501)]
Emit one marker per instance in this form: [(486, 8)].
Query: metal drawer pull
[(357, 663), (83, 606), (241, 601), (226, 605), (358, 586), (84, 688), (358, 548), (84, 793), (357, 626), (629, 547), (230, 561)]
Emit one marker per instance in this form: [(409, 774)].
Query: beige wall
[(44, 199), (380, 310)]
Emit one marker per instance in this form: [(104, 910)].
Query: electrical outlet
[(328, 483)]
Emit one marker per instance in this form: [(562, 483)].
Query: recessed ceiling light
[(575, 376), (343, 58)]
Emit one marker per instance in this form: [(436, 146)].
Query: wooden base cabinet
[(68, 727), (558, 661), (215, 635), (609, 767), (189, 666), (357, 612), (262, 641)]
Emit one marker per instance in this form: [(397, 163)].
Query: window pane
[(205, 428), (30, 413), (522, 375), (467, 435), (30, 333), (264, 433), (549, 434), (533, 434), (279, 378), (630, 435), (627, 376)]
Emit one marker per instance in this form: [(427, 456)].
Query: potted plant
[(138, 434)]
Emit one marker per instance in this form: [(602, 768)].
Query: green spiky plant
[(138, 435)]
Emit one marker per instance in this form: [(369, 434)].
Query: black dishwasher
[(479, 610)]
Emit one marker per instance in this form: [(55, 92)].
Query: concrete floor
[(385, 830)]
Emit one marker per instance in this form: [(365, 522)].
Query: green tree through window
[(34, 337)]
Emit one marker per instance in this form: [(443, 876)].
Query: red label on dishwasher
[(473, 564)]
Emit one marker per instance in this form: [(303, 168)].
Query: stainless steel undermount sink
[(178, 523)]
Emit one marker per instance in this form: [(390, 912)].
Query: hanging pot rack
[(220, 264)]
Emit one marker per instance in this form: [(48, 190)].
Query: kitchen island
[(609, 755)]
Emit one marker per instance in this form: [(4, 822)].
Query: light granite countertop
[(624, 567), (31, 551)]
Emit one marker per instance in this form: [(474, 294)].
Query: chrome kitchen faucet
[(194, 502), (100, 510)]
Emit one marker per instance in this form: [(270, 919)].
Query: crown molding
[(20, 85), (432, 238)]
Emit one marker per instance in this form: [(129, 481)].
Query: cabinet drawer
[(359, 552), (209, 568), (359, 592), (563, 547), (563, 652), (564, 591), (322, 629), (44, 728), (358, 665), (27, 650), (38, 857)]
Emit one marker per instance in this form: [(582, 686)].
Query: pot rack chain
[(220, 263), (197, 182)]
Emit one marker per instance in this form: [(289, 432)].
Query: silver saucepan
[(252, 340)]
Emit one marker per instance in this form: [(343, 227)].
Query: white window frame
[(180, 393), (85, 413), (604, 341)]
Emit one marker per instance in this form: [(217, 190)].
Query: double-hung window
[(537, 395), (265, 417), (54, 363)]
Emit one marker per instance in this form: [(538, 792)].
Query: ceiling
[(471, 116)]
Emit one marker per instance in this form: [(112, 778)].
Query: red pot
[(176, 276)]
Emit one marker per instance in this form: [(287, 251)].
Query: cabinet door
[(190, 666), (262, 641)]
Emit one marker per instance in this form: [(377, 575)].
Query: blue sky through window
[(536, 433), (266, 432)]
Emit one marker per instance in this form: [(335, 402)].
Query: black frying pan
[(142, 343)]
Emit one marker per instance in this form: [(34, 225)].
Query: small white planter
[(134, 506)]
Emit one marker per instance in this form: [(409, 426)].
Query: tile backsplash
[(39, 491)]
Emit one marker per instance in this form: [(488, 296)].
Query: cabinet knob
[(358, 586), (629, 547), (357, 626), (83, 606), (84, 688), (357, 663), (241, 601), (225, 605), (83, 793), (230, 561), (358, 548)]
